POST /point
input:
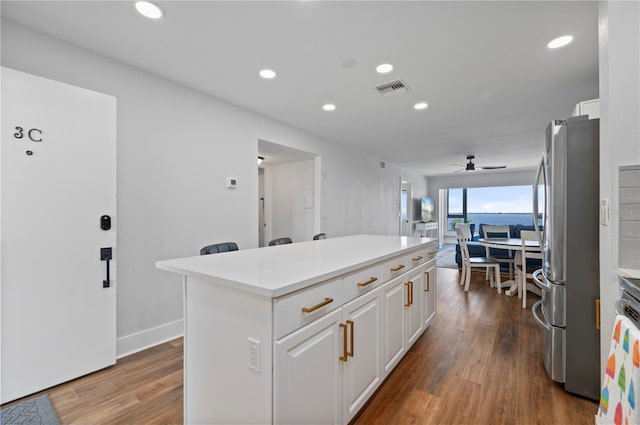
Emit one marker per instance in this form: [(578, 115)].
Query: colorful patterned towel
[(618, 399)]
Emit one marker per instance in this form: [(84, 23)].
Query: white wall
[(619, 137), (175, 148), (292, 200)]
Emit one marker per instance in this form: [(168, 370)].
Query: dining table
[(513, 244)]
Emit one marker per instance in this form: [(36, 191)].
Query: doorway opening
[(406, 207), (288, 193)]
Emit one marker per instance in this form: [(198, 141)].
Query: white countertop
[(278, 270)]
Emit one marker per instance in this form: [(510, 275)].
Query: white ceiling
[(484, 68)]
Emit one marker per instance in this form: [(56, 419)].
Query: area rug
[(446, 257), (36, 411)]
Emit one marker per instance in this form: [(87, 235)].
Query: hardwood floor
[(478, 363)]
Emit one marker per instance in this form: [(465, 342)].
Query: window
[(456, 211), (492, 205)]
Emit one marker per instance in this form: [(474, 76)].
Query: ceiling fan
[(470, 166)]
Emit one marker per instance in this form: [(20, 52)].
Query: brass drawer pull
[(326, 301), (343, 357), (408, 303), (350, 323), (395, 269), (418, 258), (371, 280), (428, 281), (411, 292)]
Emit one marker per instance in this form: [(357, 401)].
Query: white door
[(362, 372), (307, 374), (58, 178)]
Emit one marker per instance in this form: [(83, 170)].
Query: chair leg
[(498, 278), (467, 280), (492, 281), (524, 289), (463, 271)]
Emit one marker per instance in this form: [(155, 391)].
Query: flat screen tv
[(426, 209)]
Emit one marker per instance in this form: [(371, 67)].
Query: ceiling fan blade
[(493, 167), (458, 165)]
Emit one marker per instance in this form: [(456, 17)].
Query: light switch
[(604, 212)]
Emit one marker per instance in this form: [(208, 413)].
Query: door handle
[(106, 255)]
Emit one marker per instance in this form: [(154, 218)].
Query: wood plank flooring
[(478, 363)]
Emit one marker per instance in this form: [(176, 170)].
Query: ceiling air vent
[(394, 87)]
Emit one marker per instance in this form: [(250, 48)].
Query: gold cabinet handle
[(326, 301), (411, 292), (371, 280), (418, 258), (408, 303), (428, 281), (395, 269), (350, 323), (343, 357)]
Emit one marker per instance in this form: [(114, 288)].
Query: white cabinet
[(308, 378), (394, 342), (413, 306), (327, 370), (429, 292), (362, 371), (302, 341)]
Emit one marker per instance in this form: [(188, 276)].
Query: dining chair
[(320, 236), (504, 256), (464, 235), (526, 270), (280, 241), (218, 248)]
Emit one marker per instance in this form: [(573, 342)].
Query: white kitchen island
[(301, 333)]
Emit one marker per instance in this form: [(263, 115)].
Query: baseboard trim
[(139, 341)]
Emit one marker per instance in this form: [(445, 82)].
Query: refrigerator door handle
[(536, 183), (540, 283), (534, 309)]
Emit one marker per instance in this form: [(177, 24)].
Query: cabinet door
[(393, 323), (362, 372), (429, 293), (415, 317), (307, 373)]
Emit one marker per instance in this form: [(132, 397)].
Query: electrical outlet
[(254, 354)]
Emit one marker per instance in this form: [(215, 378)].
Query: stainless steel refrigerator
[(568, 178)]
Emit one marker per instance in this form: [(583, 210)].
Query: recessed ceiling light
[(148, 9), (384, 68), (560, 41), (420, 105), (329, 107), (268, 74)]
